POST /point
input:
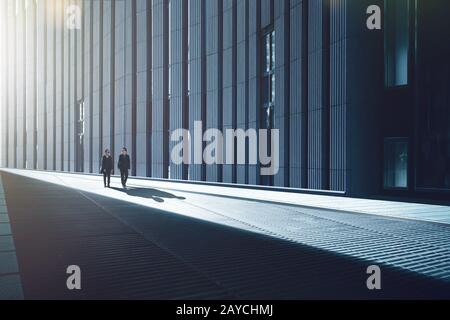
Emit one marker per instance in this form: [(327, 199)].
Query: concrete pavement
[(234, 243), (10, 283)]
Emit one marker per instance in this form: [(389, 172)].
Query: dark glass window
[(268, 80), (268, 91), (396, 163), (79, 163), (81, 120), (396, 42)]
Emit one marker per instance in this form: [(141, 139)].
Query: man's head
[(124, 151)]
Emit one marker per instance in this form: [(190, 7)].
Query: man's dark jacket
[(107, 164), (124, 162)]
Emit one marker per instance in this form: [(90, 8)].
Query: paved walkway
[(412, 211), (10, 284), (171, 240)]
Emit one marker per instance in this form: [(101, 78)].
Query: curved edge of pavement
[(10, 281)]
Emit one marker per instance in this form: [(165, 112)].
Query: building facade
[(360, 111)]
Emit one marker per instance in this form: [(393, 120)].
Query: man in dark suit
[(124, 166), (107, 168)]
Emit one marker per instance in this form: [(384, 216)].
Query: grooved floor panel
[(128, 251)]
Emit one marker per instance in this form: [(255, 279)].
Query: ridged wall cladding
[(229, 68), (254, 77), (282, 16), (197, 78), (20, 85), (143, 87), (123, 61), (75, 46), (41, 81), (11, 86), (338, 94), (66, 90), (160, 79), (59, 82), (124, 78), (213, 78), (19, 88), (30, 85), (97, 88), (78, 158), (87, 66), (108, 75), (50, 89), (73, 97), (316, 106), (242, 71), (68, 94), (4, 57), (143, 70), (178, 75), (3, 82), (297, 145)]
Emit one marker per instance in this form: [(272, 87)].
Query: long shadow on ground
[(148, 193)]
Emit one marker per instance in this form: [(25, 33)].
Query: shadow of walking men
[(149, 193)]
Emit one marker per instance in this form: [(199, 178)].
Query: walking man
[(124, 166), (107, 168)]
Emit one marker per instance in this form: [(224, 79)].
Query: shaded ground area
[(128, 251), (148, 193)]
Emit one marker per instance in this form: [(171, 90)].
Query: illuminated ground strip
[(411, 244), (10, 284)]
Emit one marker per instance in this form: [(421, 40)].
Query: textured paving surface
[(410, 244), (10, 284), (187, 245), (411, 211)]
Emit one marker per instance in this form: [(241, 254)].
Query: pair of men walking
[(108, 167)]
